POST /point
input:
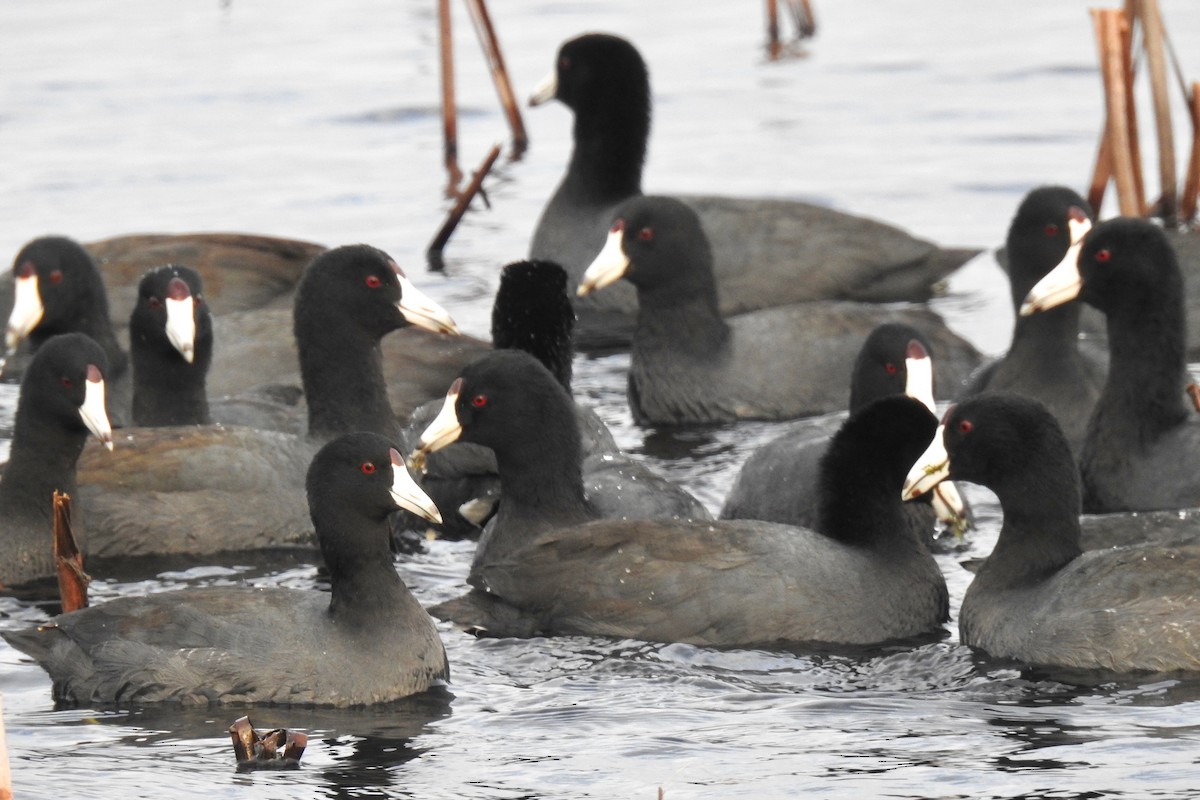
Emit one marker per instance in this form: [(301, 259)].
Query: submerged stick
[(491, 50), (449, 108), (434, 253)]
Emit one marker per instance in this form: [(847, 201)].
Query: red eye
[(154, 302), (1052, 229), (56, 276), (374, 281), (646, 234), (965, 426), (890, 369), (198, 299), (1103, 255), (367, 468), (479, 400), (67, 383)]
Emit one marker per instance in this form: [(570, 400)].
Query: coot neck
[(41, 461), (1144, 395), (166, 389), (364, 585), (542, 476), (609, 151), (683, 323), (1048, 337), (341, 368), (1040, 533)]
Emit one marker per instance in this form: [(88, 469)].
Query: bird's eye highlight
[(479, 400)]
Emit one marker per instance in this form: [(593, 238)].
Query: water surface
[(322, 123)]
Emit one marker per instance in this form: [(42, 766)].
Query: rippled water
[(322, 123)]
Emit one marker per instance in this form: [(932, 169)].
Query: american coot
[(348, 300), (688, 365), (778, 482), (545, 565), (61, 401), (204, 489), (1142, 450), (367, 641), (58, 289), (532, 313), (766, 252), (1038, 598), (171, 345), (1045, 360)]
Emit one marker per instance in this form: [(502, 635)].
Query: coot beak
[(930, 469), (918, 369), (546, 90), (947, 502), (444, 429), (93, 411), (420, 310), (609, 266), (407, 494), (27, 308), (1061, 284), (181, 319)]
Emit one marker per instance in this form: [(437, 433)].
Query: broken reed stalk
[(434, 252), (1111, 35), (449, 107), (275, 749), (1135, 146), (491, 50), (1191, 183), (773, 46), (68, 560), (1102, 172), (5, 769), (1156, 61), (806, 22)]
